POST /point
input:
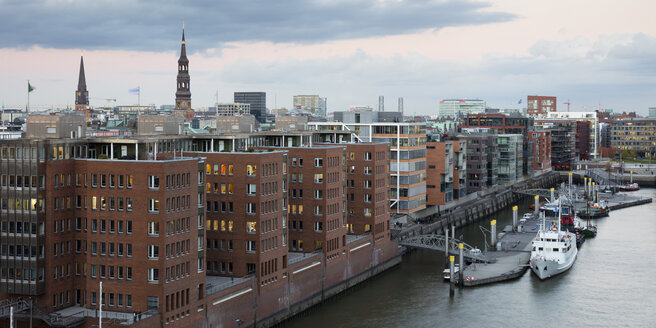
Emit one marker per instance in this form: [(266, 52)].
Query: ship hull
[(545, 269)]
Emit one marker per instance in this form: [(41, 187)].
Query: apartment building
[(446, 171), (407, 142), (541, 143), (482, 158), (510, 157)]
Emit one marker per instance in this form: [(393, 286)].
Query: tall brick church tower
[(81, 94), (183, 94)]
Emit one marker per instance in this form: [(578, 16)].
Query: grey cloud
[(155, 25), (621, 79)]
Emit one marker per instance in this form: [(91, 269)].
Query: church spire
[(183, 93), (81, 94)]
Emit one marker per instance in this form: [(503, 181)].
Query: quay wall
[(476, 206)]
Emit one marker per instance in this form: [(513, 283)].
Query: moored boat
[(630, 187), (597, 210), (553, 251)]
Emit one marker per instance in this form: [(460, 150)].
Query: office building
[(456, 107), (636, 135), (257, 101)]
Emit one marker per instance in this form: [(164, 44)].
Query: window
[(153, 182), (120, 181), (153, 205), (318, 162), (251, 208), (318, 178), (153, 275), (153, 252), (153, 228), (367, 170), (251, 170), (367, 156), (103, 180), (318, 210), (251, 189), (318, 226), (128, 204), (318, 194), (367, 212), (367, 184), (367, 198), (250, 246), (250, 227)]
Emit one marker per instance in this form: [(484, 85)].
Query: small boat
[(527, 216), (630, 187), (447, 272), (553, 251), (596, 210), (589, 231)]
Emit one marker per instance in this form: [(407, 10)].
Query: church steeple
[(81, 94), (183, 93)]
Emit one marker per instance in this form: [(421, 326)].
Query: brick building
[(445, 178), (77, 221), (540, 105), (541, 143), (367, 185), (185, 238)]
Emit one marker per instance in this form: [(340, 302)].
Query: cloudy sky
[(598, 53)]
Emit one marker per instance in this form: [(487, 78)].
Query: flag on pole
[(520, 101), (30, 88), (135, 91)]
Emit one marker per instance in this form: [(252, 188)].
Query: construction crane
[(567, 103)]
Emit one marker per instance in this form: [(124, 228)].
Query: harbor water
[(612, 284)]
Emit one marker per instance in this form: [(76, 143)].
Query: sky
[(596, 54)]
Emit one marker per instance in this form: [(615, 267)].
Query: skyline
[(595, 54)]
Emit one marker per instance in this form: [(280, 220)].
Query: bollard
[(514, 208), (631, 172), (552, 195), (446, 243), (585, 186), (453, 235), (537, 206), (461, 262), (451, 280), (493, 232), (589, 189), (593, 191)]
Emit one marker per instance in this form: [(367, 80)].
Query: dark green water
[(612, 284)]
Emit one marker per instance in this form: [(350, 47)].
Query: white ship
[(553, 251)]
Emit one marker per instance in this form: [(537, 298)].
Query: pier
[(511, 249)]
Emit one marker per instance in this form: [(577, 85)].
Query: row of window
[(111, 272), (111, 298), (178, 271), (111, 249), (19, 181), (19, 274)]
